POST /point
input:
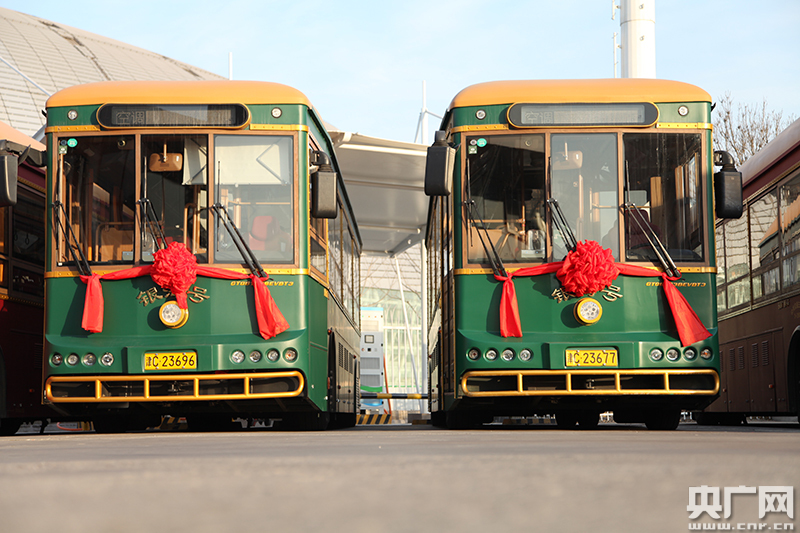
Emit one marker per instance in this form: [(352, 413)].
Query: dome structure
[(39, 57)]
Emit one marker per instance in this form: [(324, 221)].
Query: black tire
[(9, 426), (588, 419), (212, 423), (439, 419), (566, 420), (305, 421), (666, 420), (462, 420)]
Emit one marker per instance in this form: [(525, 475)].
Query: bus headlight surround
[(173, 316), (491, 354), (237, 356), (706, 353), (656, 354), (273, 355), (587, 311), (525, 355), (107, 359), (507, 355), (474, 354), (290, 355), (673, 355)]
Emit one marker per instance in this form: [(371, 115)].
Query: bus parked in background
[(758, 290), (22, 252), (571, 252), (202, 258)]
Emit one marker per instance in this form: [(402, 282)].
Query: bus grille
[(632, 382), (174, 387)]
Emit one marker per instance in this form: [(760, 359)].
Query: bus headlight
[(57, 359), (525, 355), (673, 354), (656, 354), (107, 359), (173, 316), (706, 353), (690, 354), (491, 354), (255, 356), (508, 354), (72, 359), (587, 311), (237, 356), (89, 359), (474, 354), (273, 355), (290, 355)]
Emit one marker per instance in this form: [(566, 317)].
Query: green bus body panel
[(634, 323), (549, 326)]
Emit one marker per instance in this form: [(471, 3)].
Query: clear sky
[(363, 62)]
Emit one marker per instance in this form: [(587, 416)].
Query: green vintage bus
[(571, 259), (202, 258)]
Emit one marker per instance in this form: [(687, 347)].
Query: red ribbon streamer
[(172, 271), (690, 327)]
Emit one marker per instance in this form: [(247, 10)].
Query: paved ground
[(388, 479)]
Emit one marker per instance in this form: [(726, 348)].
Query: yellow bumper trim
[(100, 395), (619, 377)]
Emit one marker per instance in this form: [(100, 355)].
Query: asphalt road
[(379, 479)]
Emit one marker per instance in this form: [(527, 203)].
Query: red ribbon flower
[(175, 269), (587, 269)]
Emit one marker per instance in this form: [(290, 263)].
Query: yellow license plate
[(170, 361), (591, 357)]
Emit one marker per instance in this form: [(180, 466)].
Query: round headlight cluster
[(507, 354), (673, 354), (587, 311), (173, 316), (88, 359), (256, 356)]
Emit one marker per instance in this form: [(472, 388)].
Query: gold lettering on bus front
[(610, 294), (678, 283), (195, 294), (268, 283)]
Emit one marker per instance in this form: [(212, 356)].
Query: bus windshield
[(660, 177), (255, 183)]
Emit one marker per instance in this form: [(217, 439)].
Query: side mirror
[(439, 167), (8, 180), (323, 188), (727, 187)]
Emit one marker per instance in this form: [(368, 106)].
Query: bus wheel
[(204, 423), (305, 421), (666, 420), (9, 426), (462, 420), (588, 419), (110, 424), (566, 420), (439, 419)]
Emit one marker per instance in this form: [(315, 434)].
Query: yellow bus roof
[(178, 92), (573, 91)]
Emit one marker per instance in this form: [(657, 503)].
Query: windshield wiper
[(241, 245), (148, 221), (69, 238), (652, 238), (494, 258), (562, 225)]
